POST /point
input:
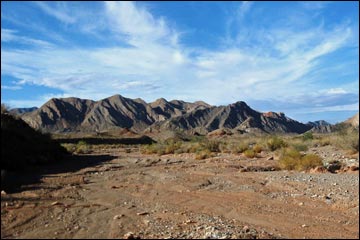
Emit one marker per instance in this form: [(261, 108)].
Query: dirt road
[(113, 194)]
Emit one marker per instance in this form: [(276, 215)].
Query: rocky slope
[(321, 126), (118, 112), (237, 116), (353, 121), (19, 111)]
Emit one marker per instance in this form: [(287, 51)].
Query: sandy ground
[(114, 194)]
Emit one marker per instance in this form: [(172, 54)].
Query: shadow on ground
[(12, 181), (101, 140)]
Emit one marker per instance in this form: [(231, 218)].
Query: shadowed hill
[(22, 146)]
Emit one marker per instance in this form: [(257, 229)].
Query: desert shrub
[(82, 147), (250, 153), (166, 147), (341, 128), (224, 147), (241, 147), (307, 136), (171, 145), (70, 147), (324, 141), (350, 143), (193, 147), (154, 148), (309, 161), (257, 148), (203, 154), (300, 147), (212, 146), (275, 143), (178, 151), (197, 138), (344, 137), (291, 159)]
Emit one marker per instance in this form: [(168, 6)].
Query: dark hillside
[(23, 147)]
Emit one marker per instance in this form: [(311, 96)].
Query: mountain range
[(60, 115)]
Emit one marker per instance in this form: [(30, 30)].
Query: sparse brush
[(70, 147), (250, 153), (203, 154), (291, 159), (242, 147), (300, 147), (309, 161), (82, 147), (275, 143), (257, 148), (212, 146), (349, 142), (307, 136), (224, 148)]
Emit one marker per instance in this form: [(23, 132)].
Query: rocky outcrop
[(320, 126)]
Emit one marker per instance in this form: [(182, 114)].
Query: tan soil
[(110, 193)]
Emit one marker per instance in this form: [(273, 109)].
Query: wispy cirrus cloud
[(57, 10), (275, 63), (10, 35)]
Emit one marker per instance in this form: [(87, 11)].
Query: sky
[(300, 58)]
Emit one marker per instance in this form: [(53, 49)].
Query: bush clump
[(307, 136), (291, 159), (275, 143), (257, 148), (166, 147), (82, 147), (203, 154), (250, 153)]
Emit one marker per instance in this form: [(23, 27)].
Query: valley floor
[(114, 194)]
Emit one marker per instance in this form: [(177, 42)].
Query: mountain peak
[(117, 112)]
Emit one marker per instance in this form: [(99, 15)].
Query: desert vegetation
[(292, 151)]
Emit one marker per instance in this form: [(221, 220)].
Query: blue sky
[(301, 58)]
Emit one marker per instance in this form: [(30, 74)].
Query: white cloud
[(11, 87), (243, 9), (59, 11), (336, 91), (10, 35), (158, 66), (137, 24)]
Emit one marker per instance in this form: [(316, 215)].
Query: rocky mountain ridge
[(118, 112)]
